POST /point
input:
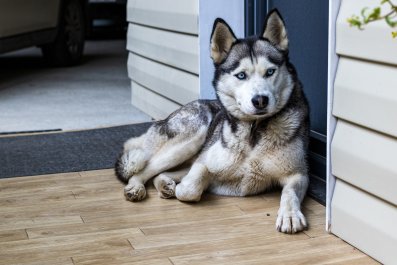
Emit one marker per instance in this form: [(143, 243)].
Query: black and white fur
[(253, 137)]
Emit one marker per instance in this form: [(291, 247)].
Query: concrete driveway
[(36, 97)]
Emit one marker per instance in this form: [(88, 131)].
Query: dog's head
[(253, 78)]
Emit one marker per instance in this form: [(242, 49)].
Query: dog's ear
[(222, 39), (274, 30)]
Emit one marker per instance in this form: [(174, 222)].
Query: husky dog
[(252, 137)]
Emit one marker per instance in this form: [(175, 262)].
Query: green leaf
[(374, 15), (363, 13), (394, 34), (354, 21), (390, 22)]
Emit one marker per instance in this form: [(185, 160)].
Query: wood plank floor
[(83, 218)]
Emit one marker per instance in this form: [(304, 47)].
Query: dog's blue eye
[(241, 76), (270, 72)]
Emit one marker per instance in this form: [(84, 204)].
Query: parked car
[(106, 18), (56, 26)]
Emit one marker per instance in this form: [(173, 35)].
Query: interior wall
[(232, 11)]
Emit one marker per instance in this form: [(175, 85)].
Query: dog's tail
[(130, 163), (119, 169)]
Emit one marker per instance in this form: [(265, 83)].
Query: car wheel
[(67, 48)]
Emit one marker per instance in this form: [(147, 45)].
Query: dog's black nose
[(260, 102)]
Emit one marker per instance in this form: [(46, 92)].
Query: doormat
[(64, 152)]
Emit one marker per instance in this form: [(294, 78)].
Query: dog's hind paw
[(290, 222), (187, 193), (165, 187), (135, 193)]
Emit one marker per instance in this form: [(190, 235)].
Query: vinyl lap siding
[(363, 149), (163, 62), (373, 88), (163, 79), (366, 159)]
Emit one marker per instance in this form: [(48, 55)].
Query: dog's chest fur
[(240, 165)]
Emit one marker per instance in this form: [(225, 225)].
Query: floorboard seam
[(129, 242), (142, 231), (170, 260)]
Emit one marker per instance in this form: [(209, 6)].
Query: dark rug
[(64, 152)]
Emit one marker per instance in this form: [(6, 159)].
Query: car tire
[(68, 46)]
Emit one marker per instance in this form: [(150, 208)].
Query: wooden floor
[(83, 218)]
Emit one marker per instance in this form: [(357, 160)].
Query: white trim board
[(333, 60)]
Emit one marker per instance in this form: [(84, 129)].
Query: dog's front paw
[(135, 192), (290, 221)]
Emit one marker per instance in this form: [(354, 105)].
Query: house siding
[(163, 62), (365, 139)]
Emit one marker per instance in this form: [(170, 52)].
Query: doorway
[(307, 26)]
